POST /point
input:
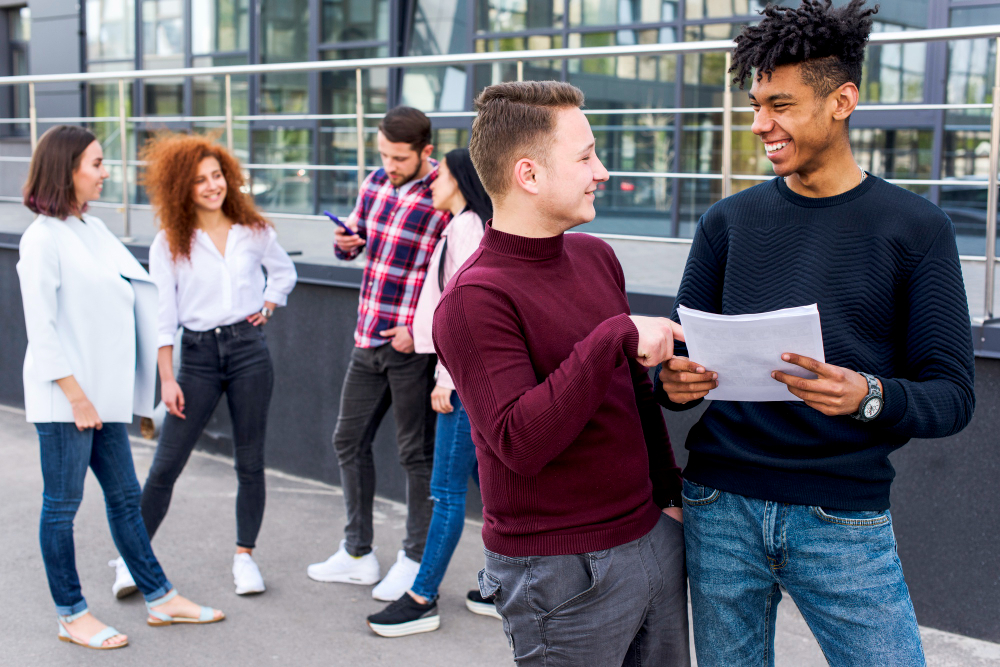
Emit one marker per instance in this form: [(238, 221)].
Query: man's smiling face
[(793, 122)]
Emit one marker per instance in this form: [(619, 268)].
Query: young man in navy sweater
[(795, 495)]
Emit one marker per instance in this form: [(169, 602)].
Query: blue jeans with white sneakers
[(66, 453), (840, 568)]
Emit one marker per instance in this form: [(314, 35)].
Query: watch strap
[(873, 392)]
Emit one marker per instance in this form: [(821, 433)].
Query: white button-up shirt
[(210, 289)]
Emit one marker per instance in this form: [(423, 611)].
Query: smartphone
[(347, 230)]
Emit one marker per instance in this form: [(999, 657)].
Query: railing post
[(727, 130), (229, 112), (520, 70), (32, 116), (359, 110), (991, 197), (122, 119)]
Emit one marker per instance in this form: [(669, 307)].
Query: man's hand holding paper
[(656, 339), (835, 391)]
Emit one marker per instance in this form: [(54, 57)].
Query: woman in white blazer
[(208, 261), (90, 313)]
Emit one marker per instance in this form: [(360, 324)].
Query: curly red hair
[(171, 167)]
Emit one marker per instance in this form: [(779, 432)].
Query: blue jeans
[(840, 568), (66, 454), (454, 461), (233, 359)]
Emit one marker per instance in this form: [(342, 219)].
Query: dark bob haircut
[(828, 42), (406, 124), (49, 189)]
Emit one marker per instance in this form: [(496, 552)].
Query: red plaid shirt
[(401, 230)]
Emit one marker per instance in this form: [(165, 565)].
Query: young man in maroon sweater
[(574, 459)]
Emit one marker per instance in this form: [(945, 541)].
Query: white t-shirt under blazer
[(90, 312), (209, 289)]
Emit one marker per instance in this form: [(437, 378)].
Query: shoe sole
[(429, 624), (250, 591), (483, 609), (125, 591), (345, 579), (70, 640)]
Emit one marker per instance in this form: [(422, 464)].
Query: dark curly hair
[(829, 42), (171, 167)]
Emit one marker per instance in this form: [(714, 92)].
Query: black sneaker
[(475, 603), (405, 617)]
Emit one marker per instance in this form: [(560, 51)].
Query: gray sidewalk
[(297, 621)]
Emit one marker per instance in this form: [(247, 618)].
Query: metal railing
[(520, 57)]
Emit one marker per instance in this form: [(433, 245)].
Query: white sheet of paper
[(745, 349)]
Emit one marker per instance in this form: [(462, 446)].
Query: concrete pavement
[(297, 621)]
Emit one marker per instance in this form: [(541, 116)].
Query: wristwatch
[(871, 405), (266, 313)]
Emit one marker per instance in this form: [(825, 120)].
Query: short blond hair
[(515, 121)]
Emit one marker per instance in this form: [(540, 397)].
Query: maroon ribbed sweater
[(572, 446)]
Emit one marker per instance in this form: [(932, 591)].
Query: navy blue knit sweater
[(882, 264)]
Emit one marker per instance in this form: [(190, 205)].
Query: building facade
[(44, 36)]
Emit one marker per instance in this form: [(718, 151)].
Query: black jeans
[(376, 379), (233, 359)]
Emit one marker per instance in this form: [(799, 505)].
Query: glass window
[(210, 91), (894, 73), (338, 89), (534, 70), (643, 68), (971, 63), (110, 29), (439, 26), (277, 189), (219, 25), (19, 24), (966, 156), (894, 152), (338, 139), (708, 9), (355, 20), (514, 15), (610, 12), (163, 48), (285, 38), (705, 73)]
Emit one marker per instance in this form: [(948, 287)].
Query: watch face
[(873, 407)]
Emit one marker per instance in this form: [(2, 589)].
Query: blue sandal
[(158, 618), (95, 642)]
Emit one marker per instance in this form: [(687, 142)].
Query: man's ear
[(844, 100), (526, 175), (426, 153)]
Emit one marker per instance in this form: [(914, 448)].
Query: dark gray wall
[(943, 500)]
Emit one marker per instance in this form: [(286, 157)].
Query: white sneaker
[(344, 568), (398, 580), (124, 583), (246, 575)]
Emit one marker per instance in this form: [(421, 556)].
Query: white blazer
[(90, 311)]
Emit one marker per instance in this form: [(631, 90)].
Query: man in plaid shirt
[(395, 220)]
